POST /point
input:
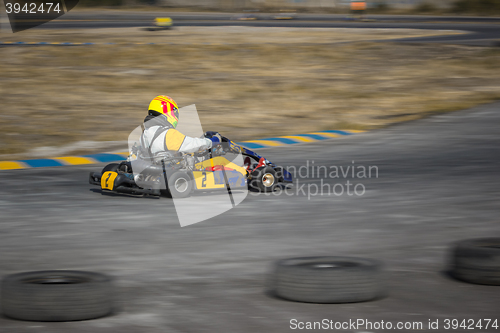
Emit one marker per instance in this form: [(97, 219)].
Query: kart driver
[(160, 134)]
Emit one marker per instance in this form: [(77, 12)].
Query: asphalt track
[(438, 183), (483, 31)]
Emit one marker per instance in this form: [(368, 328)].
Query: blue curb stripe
[(105, 157), (282, 140), (313, 136), (337, 132), (42, 163), (251, 145)]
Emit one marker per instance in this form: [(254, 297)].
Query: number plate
[(108, 180)]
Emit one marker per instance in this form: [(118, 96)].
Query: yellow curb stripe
[(328, 135), (75, 160), (300, 138), (267, 143), (11, 165)]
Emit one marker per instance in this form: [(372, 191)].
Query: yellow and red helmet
[(166, 106)]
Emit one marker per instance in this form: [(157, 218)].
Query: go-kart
[(179, 175)]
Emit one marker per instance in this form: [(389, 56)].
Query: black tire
[(180, 185), (477, 261), (264, 179), (327, 279), (110, 167), (56, 296), (280, 173)]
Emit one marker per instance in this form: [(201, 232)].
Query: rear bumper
[(136, 190), (95, 179)]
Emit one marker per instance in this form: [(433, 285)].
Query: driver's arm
[(176, 141)]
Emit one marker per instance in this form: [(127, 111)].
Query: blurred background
[(422, 78), (288, 67), (415, 6)]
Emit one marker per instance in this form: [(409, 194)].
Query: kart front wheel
[(264, 179), (180, 185)]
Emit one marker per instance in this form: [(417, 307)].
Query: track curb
[(280, 141)]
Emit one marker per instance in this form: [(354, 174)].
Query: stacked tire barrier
[(477, 261), (327, 279), (56, 296), (61, 295)]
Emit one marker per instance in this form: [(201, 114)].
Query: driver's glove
[(216, 139)]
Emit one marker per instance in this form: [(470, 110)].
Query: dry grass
[(54, 96), (220, 35)]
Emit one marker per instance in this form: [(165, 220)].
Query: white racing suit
[(159, 136)]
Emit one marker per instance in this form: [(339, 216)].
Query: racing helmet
[(164, 105)]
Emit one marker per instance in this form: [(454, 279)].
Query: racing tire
[(477, 261), (56, 296), (327, 279), (110, 167), (180, 185), (264, 179)]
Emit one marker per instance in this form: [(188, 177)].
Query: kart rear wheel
[(264, 179), (180, 185)]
